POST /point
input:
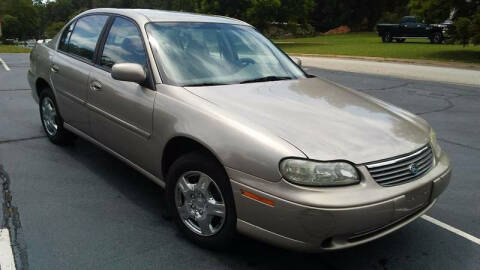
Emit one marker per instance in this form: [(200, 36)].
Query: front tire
[(437, 38), (200, 200), (52, 122)]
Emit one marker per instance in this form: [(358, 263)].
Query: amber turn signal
[(258, 198)]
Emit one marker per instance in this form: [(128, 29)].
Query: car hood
[(322, 119)]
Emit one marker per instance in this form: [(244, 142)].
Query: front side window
[(212, 53), (124, 44), (85, 35)]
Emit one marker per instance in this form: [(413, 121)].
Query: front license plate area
[(413, 201)]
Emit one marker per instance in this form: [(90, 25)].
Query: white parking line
[(452, 229), (6, 255), (4, 65)]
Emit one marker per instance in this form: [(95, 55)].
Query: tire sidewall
[(208, 165), (388, 37), (437, 38), (62, 136)]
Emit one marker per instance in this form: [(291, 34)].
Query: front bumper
[(319, 219)]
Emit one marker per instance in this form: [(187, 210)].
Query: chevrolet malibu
[(240, 137)]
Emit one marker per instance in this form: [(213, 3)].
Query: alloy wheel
[(49, 115), (199, 203)]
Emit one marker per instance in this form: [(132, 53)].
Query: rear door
[(71, 67), (121, 112)]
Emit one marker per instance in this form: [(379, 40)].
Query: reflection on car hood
[(322, 119)]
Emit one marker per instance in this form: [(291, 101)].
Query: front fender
[(237, 143)]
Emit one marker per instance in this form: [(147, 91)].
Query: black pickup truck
[(413, 27)]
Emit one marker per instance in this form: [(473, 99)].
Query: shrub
[(288, 30), (463, 31)]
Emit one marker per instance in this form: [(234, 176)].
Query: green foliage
[(262, 11), (358, 15), (463, 31), (53, 28), (11, 27), (475, 28), (25, 14), (41, 18), (433, 11)]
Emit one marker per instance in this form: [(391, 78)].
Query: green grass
[(369, 44), (13, 49)]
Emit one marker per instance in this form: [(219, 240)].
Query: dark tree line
[(39, 18)]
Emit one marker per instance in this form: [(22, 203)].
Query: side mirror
[(129, 72), (297, 61)]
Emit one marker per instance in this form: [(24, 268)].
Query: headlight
[(437, 150), (321, 174)]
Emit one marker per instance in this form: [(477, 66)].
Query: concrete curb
[(423, 62), (401, 70)]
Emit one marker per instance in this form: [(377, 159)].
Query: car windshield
[(200, 54)]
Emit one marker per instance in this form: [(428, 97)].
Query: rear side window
[(123, 45), (85, 35)]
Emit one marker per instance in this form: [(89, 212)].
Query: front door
[(121, 112)]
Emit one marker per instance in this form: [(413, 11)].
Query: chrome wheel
[(199, 203), (49, 115)]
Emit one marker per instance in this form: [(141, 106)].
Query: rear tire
[(387, 37), (52, 122), (200, 199), (400, 40)]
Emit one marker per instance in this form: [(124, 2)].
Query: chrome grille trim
[(397, 171)]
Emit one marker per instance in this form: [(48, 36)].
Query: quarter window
[(65, 37), (85, 35), (123, 45)]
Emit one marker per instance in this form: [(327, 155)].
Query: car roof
[(151, 15)]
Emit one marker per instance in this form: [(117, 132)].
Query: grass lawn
[(369, 44), (13, 49)]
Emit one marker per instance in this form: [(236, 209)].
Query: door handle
[(54, 68), (96, 86)]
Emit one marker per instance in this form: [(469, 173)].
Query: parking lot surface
[(77, 207)]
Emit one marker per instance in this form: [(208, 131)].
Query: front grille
[(403, 169)]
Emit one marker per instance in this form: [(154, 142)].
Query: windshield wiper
[(268, 79), (202, 84)]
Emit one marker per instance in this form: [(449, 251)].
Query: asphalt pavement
[(77, 207)]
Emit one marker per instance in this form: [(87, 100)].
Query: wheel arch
[(180, 145), (41, 84)]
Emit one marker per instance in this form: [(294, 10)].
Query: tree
[(262, 12), (433, 11), (462, 29), (436, 11), (53, 28), (12, 28), (357, 14), (25, 13), (475, 28)]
